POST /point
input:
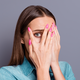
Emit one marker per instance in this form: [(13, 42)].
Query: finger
[(51, 41), (31, 51), (53, 25), (44, 35), (57, 32), (48, 37), (53, 32), (55, 39), (31, 35), (58, 36), (30, 48)]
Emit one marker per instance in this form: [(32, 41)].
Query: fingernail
[(29, 42), (47, 26), (53, 25), (29, 29), (51, 34), (50, 29)]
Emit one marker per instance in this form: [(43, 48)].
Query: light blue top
[(26, 71)]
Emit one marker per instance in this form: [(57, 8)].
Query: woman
[(36, 49)]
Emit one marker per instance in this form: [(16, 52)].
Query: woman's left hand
[(55, 54), (56, 45)]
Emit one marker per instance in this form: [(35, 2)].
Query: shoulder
[(9, 72), (66, 69), (64, 65), (5, 73), (12, 73)]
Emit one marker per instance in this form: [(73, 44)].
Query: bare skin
[(44, 50)]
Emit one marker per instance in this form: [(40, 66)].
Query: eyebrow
[(38, 30)]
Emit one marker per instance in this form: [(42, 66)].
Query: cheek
[(37, 39)]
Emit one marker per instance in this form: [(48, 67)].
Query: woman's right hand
[(40, 53)]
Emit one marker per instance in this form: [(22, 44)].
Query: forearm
[(43, 74), (57, 72)]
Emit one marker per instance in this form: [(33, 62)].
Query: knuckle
[(48, 39), (41, 49), (60, 46), (59, 36), (31, 37), (44, 34), (35, 49), (41, 46), (32, 40)]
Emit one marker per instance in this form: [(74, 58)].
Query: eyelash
[(37, 33)]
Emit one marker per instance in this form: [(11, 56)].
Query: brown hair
[(27, 15)]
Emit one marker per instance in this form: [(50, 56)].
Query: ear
[(22, 41)]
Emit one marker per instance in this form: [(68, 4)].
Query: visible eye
[(37, 35)]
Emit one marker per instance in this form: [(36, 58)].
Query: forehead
[(41, 22)]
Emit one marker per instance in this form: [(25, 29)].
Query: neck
[(27, 56)]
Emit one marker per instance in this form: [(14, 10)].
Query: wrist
[(43, 74), (56, 63), (56, 70), (55, 66), (42, 69)]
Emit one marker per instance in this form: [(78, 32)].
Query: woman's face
[(37, 26)]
